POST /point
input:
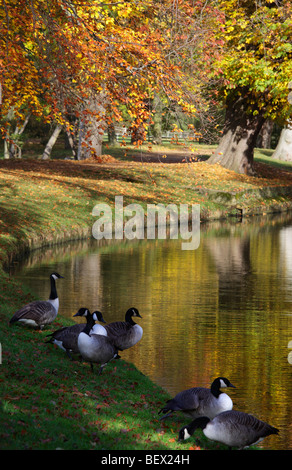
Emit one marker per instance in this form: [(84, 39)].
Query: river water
[(224, 308)]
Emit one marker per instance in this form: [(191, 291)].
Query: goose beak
[(232, 386), (134, 311), (77, 314)]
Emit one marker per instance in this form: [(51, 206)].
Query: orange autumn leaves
[(65, 60)]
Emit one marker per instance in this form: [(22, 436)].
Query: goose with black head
[(40, 313)]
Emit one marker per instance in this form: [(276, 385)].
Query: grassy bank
[(49, 402), (46, 201)]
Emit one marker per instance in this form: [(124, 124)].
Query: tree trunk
[(283, 150), (13, 143), (265, 135), (71, 143), (51, 142), (6, 149), (93, 126), (80, 138), (241, 129), (156, 127), (111, 133)]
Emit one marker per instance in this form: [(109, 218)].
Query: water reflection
[(223, 309)]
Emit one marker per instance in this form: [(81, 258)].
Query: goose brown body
[(232, 428), (40, 312), (200, 401), (125, 334)]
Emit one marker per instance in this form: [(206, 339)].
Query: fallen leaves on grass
[(44, 198), (99, 159)]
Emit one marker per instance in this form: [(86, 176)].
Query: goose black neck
[(53, 293), (129, 318), (198, 423), (89, 324), (215, 388)]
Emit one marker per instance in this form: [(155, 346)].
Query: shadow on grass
[(49, 402), (79, 176), (285, 166)]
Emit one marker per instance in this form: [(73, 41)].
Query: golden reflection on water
[(223, 309)]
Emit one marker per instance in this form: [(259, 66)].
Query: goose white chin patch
[(186, 434)]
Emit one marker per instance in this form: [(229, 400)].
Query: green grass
[(264, 156)]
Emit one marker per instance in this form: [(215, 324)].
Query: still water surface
[(222, 309)]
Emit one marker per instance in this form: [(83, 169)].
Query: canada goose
[(67, 337), (95, 348), (199, 401), (125, 334), (40, 312), (232, 428)]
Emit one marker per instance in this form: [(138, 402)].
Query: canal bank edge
[(247, 203)]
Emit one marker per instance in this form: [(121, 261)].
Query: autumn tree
[(73, 63), (252, 74)]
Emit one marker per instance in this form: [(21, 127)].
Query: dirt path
[(159, 157)]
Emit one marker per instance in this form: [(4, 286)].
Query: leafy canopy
[(57, 56), (256, 54)]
